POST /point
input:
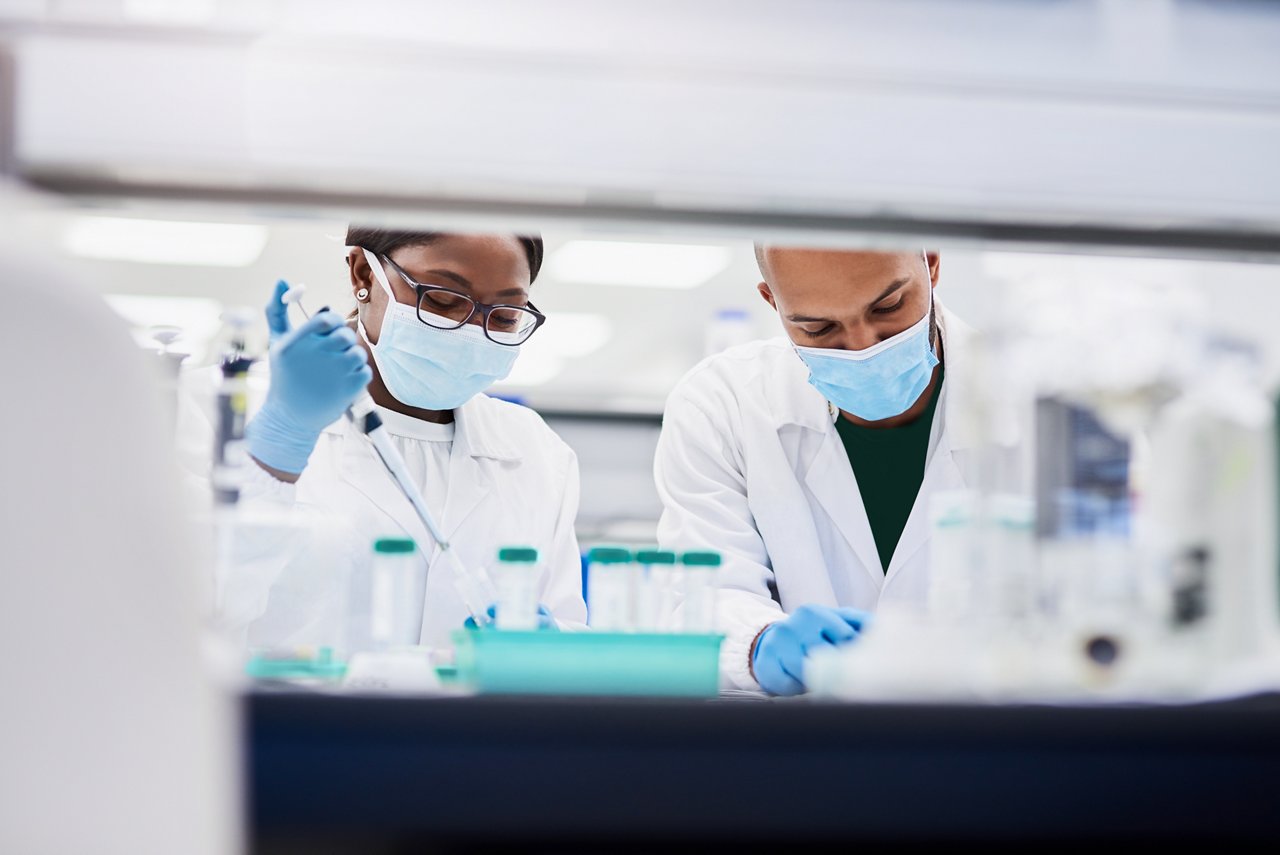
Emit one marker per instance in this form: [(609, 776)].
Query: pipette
[(475, 589)]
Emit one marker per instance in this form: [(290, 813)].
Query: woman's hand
[(317, 371)]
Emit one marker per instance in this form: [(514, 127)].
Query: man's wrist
[(751, 650)]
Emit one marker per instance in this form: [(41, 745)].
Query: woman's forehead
[(489, 256)]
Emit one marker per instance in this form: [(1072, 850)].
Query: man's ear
[(935, 266), (763, 288)]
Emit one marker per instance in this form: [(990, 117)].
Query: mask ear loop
[(379, 272), (375, 264)]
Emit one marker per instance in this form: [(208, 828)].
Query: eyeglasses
[(445, 309)]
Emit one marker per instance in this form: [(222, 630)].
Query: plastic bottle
[(395, 595), (516, 578), (609, 603), (657, 595), (701, 574)]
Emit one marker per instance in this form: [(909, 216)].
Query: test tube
[(515, 578), (701, 572), (395, 599), (657, 589), (608, 602)]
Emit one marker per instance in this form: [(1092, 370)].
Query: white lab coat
[(750, 464), (304, 551)]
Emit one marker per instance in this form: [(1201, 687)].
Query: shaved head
[(764, 250), (846, 299)]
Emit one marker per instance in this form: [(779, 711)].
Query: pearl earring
[(362, 294)]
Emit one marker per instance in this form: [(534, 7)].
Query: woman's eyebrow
[(456, 278)]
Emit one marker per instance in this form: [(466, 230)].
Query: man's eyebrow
[(897, 283)]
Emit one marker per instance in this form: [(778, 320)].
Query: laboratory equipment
[(698, 582), (396, 591), (472, 584), (405, 669), (1212, 508), (166, 336), (229, 452), (609, 589), (516, 578), (657, 582), (588, 663), (300, 664)]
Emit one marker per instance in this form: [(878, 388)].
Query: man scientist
[(809, 460)]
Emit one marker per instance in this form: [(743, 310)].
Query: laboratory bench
[(376, 774)]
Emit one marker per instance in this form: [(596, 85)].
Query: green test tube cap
[(655, 556), (518, 554), (393, 545), (700, 559), (609, 555)]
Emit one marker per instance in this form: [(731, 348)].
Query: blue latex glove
[(317, 371), (545, 620), (778, 660)]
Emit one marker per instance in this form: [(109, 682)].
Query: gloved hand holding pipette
[(317, 371)]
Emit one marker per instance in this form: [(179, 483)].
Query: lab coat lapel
[(469, 483), (942, 473), (363, 470), (478, 447), (954, 436), (830, 478)]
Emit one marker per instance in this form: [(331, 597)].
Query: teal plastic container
[(588, 663), (296, 665)]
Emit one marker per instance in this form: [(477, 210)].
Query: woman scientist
[(438, 319)]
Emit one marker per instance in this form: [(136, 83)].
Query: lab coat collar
[(476, 441), (478, 431)]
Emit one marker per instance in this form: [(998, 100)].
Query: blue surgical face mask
[(881, 381), (431, 368)]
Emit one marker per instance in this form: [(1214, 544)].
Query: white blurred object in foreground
[(114, 738)]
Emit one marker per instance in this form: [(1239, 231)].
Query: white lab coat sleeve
[(562, 585), (702, 484)]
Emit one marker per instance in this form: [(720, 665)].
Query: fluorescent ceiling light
[(648, 265), (165, 241)]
